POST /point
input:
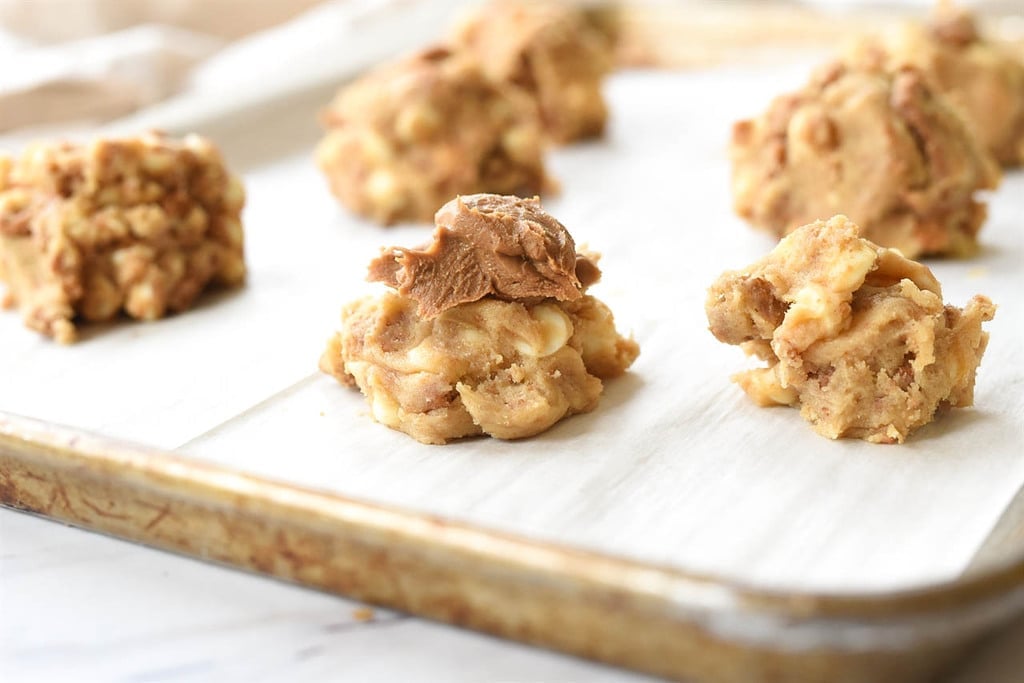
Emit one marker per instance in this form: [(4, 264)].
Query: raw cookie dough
[(409, 136), (982, 79), (140, 225), (879, 147), (549, 50), (854, 334), (490, 331)]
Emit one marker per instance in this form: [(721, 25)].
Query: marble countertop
[(80, 606)]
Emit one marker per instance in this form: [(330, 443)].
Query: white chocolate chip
[(551, 333), (382, 187)]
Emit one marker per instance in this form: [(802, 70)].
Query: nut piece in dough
[(854, 334), (140, 225), (879, 147), (980, 78), (549, 50), (441, 361), (410, 135)]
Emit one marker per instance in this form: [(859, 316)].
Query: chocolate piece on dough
[(488, 245), (490, 330)]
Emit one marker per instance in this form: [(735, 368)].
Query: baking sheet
[(675, 466)]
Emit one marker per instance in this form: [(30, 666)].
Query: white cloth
[(99, 77), (103, 66)]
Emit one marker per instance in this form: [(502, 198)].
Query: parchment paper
[(676, 466)]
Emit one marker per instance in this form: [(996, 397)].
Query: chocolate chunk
[(488, 245)]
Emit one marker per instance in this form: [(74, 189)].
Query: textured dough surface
[(407, 137), (855, 335), (488, 367), (982, 80), (140, 226), (882, 148), (551, 52)]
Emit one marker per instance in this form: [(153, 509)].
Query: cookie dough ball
[(137, 225), (443, 357), (853, 334), (407, 137), (980, 78), (880, 147), (552, 52)]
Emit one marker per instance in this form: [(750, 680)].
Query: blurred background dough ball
[(410, 135), (882, 148), (549, 50)]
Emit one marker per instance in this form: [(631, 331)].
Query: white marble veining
[(78, 606)]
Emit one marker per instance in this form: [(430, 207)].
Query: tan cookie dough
[(982, 79), (139, 225), (551, 51), (443, 358), (410, 135), (854, 334), (879, 147)]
